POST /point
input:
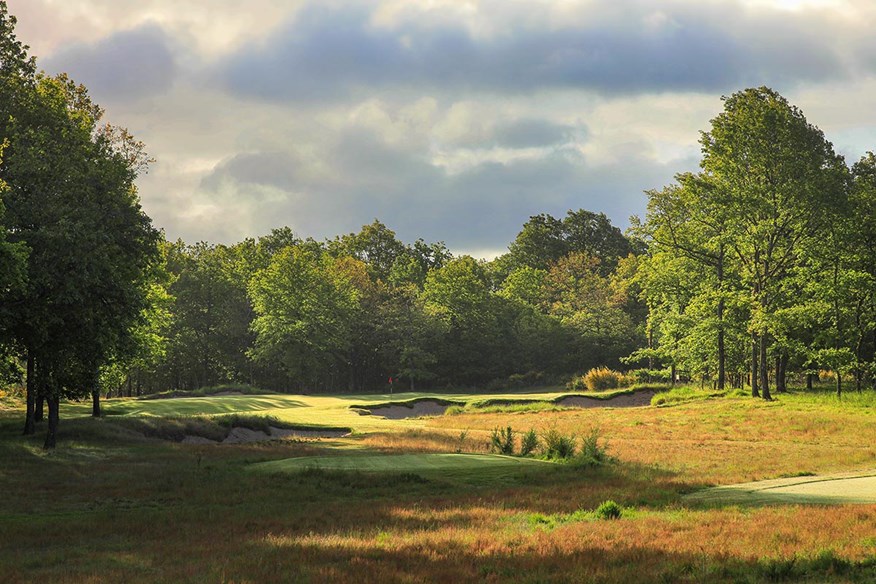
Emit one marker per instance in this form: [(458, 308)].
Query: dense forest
[(760, 266)]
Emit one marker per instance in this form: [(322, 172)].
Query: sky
[(448, 120)]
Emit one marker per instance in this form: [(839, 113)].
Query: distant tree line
[(349, 313), (760, 265)]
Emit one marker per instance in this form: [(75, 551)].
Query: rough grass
[(109, 506)]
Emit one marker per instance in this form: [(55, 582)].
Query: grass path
[(824, 489)]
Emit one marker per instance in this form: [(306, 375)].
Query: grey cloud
[(332, 51), (482, 207), (533, 133), (276, 169), (127, 65)]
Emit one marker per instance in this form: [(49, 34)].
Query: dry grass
[(108, 508)]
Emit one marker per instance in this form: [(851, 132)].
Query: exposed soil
[(426, 407), (624, 400)]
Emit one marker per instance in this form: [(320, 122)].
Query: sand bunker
[(426, 407), (624, 400), (239, 435)]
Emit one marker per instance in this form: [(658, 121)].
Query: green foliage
[(558, 446), (529, 443), (592, 453), (609, 510), (502, 440)]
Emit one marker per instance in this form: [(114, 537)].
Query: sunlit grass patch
[(417, 463)]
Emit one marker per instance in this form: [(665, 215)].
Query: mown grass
[(110, 505)]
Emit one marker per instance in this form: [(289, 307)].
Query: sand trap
[(197, 440), (239, 435), (624, 400), (426, 407)]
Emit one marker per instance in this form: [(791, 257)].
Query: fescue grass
[(111, 506)]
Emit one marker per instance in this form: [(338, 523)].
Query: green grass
[(467, 468)]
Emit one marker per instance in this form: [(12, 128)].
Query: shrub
[(576, 384), (608, 510), (502, 441), (529, 443), (592, 453), (558, 446), (649, 375), (601, 378)]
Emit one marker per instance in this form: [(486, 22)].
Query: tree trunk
[(839, 383), (40, 400), (764, 369), (809, 377), (53, 421), (722, 355), (29, 417), (781, 373), (95, 402), (754, 345)]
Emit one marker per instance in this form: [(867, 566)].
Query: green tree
[(777, 178), (305, 305), (71, 202)]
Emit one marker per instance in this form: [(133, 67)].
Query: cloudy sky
[(451, 120)]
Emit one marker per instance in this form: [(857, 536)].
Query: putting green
[(336, 411), (416, 463), (825, 490)]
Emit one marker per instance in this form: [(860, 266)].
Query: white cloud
[(447, 119)]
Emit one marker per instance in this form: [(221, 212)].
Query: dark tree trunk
[(53, 422), (40, 401), (29, 417), (809, 377), (95, 403), (754, 346), (781, 373), (764, 369), (839, 383), (722, 354)]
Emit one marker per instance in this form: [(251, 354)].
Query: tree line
[(352, 312), (764, 261), (760, 265)]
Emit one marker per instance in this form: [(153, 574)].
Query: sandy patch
[(416, 409), (624, 400), (197, 440), (328, 433)]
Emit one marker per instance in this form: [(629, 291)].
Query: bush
[(592, 453), (529, 443), (576, 384), (502, 441), (649, 375), (601, 378), (558, 446), (608, 510)]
